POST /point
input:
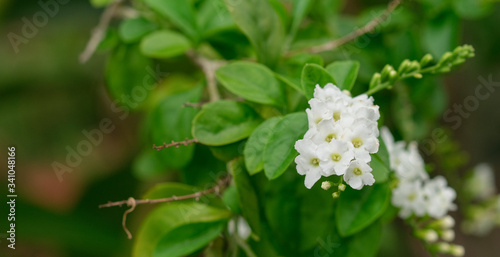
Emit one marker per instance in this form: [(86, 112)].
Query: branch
[(132, 202), (208, 67), (370, 26), (99, 31), (176, 144)]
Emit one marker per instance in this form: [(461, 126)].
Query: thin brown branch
[(132, 202), (216, 189), (99, 31), (176, 144), (193, 105), (369, 27), (208, 67)]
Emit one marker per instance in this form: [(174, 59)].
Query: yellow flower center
[(330, 137), (315, 161), (336, 116), (336, 157), (357, 142), (357, 171)]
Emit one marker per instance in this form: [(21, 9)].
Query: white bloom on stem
[(363, 140), (409, 197), (342, 133), (481, 184), (440, 197), (358, 175), (335, 157), (308, 161)]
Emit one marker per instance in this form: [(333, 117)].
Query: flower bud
[(326, 185), (427, 235), (447, 222), (457, 250), (403, 66), (341, 187), (386, 72), (425, 60), (335, 195), (375, 80), (448, 235)]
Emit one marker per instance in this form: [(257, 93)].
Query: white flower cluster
[(416, 193), (342, 134)]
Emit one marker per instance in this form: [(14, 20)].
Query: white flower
[(363, 140), (358, 175), (411, 165), (335, 157), (342, 133), (481, 184), (409, 197), (439, 197), (241, 227), (308, 161), (325, 132)]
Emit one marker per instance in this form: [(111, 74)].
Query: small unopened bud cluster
[(326, 185), (438, 234)]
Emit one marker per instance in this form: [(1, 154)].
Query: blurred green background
[(47, 98)]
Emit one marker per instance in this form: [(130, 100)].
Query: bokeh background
[(47, 97)]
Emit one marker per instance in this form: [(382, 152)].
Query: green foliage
[(357, 209), (173, 229), (224, 122), (256, 72), (164, 44), (279, 151), (313, 75), (252, 81), (254, 148), (262, 25)]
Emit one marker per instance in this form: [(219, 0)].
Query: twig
[(193, 105), (176, 144), (370, 26), (99, 31), (132, 202), (208, 67), (216, 189)]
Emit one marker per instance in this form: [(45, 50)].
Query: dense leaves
[(224, 122)]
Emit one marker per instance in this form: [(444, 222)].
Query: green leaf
[(169, 217), (131, 30), (254, 148), (101, 3), (290, 70), (213, 17), (262, 25), (366, 243), (357, 209), (164, 44), (440, 34), (224, 122), (300, 9), (149, 165), (180, 13), (169, 121), (187, 239), (380, 170), (279, 151), (231, 199), (169, 189), (228, 152), (472, 9), (344, 73), (312, 75), (380, 163), (252, 81), (126, 71), (246, 193)]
